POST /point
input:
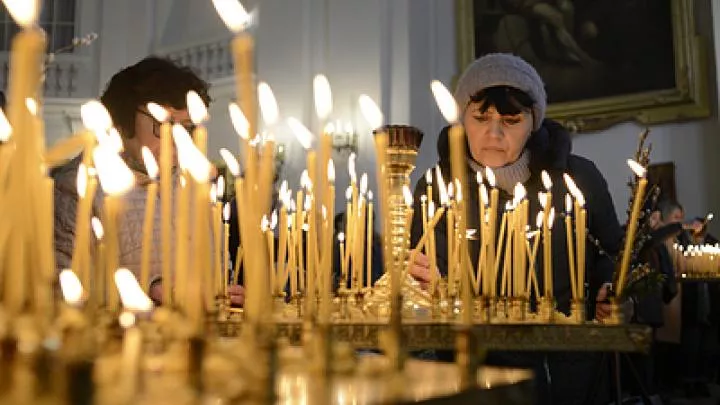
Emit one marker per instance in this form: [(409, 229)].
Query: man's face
[(676, 216), (147, 132)]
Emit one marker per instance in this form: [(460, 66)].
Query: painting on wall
[(603, 61)]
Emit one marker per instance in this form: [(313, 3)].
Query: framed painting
[(603, 61)]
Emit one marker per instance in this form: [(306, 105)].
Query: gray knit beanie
[(503, 69)]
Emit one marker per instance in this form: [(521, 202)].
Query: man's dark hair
[(666, 208), (506, 100), (153, 79)]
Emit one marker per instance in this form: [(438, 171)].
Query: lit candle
[(166, 197), (638, 200), (519, 262), (115, 179), (237, 19), (134, 301), (326, 297), (343, 266), (369, 243), (86, 185), (217, 192), (496, 258), (226, 249), (282, 240), (423, 208), (359, 238), (580, 233), (323, 108), (492, 224), (98, 279), (234, 168), (349, 219), (147, 238), (570, 245), (546, 203), (532, 272)]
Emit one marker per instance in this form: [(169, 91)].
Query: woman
[(502, 101)]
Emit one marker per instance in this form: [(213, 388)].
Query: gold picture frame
[(687, 99)]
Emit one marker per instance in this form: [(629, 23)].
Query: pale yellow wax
[(112, 210), (226, 259), (630, 234), (81, 245), (581, 234), (282, 252), (166, 214), (547, 248), (245, 89), (571, 256), (147, 236), (181, 244), (218, 245), (368, 278)]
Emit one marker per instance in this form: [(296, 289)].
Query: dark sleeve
[(602, 224), (234, 238), (665, 265)]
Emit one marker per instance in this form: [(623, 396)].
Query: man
[(156, 80)]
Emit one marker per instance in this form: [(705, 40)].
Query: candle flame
[(158, 112), (303, 135), (351, 168), (239, 121), (570, 183), (490, 176), (150, 164), (273, 219), (131, 294), (519, 193), (233, 14), (308, 202), (114, 175), (508, 206), (5, 127), (637, 168), (264, 223), (547, 182), (484, 195), (196, 108), (232, 163), (539, 219), (24, 12), (341, 237), (268, 104), (568, 204), (423, 199), (458, 190), (580, 198), (363, 183), (331, 171), (431, 209), (31, 105), (479, 177), (82, 179), (113, 140), (329, 128), (220, 187), (97, 228), (445, 101), (226, 212), (709, 217), (442, 190), (428, 177), (370, 111), (542, 197), (95, 116), (71, 287), (370, 196), (189, 156), (305, 180), (532, 234), (407, 194), (323, 96), (348, 193), (450, 190)]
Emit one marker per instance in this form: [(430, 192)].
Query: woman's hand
[(237, 295), (420, 269)]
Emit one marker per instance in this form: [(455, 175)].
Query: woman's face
[(496, 140)]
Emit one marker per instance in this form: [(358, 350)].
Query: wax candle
[(570, 245), (86, 186), (546, 203), (632, 224), (369, 244), (147, 236), (166, 197), (226, 248)]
